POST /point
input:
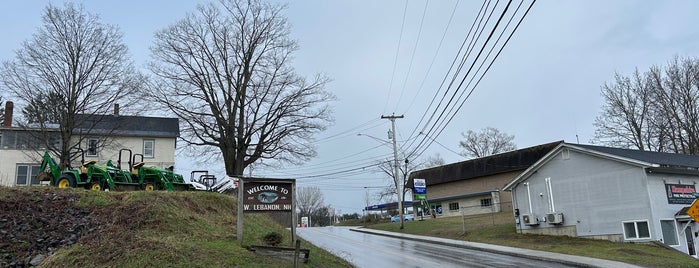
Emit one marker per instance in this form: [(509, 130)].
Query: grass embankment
[(172, 229), (499, 229)]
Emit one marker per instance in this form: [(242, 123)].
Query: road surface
[(367, 250)]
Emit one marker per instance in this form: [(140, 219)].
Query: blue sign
[(420, 189)]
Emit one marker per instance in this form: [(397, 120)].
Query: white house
[(100, 136), (609, 193)]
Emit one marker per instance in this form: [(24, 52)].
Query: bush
[(272, 238)]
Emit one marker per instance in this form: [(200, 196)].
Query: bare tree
[(73, 58), (2, 108), (487, 142), (657, 111), (309, 200), (433, 161), (626, 115), (225, 70)]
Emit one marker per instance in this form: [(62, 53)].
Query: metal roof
[(485, 166), (658, 158), (651, 161), (128, 125)]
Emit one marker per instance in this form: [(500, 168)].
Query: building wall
[(663, 210), (9, 159), (163, 157), (502, 200), (470, 205), (595, 195)]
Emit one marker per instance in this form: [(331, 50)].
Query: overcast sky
[(543, 87)]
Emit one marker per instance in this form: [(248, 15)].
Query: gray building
[(475, 186), (607, 193)]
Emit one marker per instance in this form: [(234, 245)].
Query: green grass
[(170, 229), (499, 229)]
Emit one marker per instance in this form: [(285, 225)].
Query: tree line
[(655, 110)]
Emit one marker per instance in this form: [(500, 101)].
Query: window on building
[(486, 202), (26, 175), (669, 232), (92, 144), (149, 148), (636, 230), (453, 206)]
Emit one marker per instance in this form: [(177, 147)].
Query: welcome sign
[(267, 196)]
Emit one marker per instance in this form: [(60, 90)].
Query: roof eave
[(555, 151)]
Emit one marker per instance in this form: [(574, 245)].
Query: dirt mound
[(35, 223)]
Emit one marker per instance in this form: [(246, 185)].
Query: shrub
[(272, 238)]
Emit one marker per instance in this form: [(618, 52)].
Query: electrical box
[(529, 219), (554, 218)]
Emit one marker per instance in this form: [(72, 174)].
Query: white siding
[(594, 194)]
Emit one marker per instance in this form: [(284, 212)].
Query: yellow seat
[(83, 168), (135, 167)]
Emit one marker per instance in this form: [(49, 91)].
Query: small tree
[(488, 141), (309, 200)]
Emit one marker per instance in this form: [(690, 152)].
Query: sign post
[(266, 195), (420, 193)]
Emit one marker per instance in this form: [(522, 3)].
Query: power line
[(434, 57), (395, 61), (412, 57), (462, 102)]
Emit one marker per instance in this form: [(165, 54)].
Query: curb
[(511, 251)]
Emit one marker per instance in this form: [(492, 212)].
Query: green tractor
[(88, 176), (149, 178)]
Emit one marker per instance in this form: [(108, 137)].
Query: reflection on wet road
[(367, 250)]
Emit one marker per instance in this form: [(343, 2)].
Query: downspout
[(549, 191), (529, 198)]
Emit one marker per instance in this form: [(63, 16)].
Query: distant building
[(101, 137), (475, 186), (607, 193)]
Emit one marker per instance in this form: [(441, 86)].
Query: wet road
[(367, 250)]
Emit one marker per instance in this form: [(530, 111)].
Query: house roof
[(485, 166), (128, 125), (663, 162), (657, 158)]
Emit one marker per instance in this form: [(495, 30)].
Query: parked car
[(406, 217)]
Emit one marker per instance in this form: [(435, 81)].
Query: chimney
[(7, 121), (116, 109)]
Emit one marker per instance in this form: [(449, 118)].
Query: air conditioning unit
[(554, 218), (529, 219)]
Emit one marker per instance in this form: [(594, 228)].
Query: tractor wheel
[(65, 181), (149, 187), (96, 186)]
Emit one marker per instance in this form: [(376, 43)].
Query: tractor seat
[(83, 168), (134, 169)]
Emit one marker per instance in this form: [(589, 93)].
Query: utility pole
[(399, 185)]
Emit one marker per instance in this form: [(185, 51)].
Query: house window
[(636, 230), (92, 144), (486, 202), (669, 232), (453, 206), (26, 175), (149, 148)]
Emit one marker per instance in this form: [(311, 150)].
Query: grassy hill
[(78, 228)]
